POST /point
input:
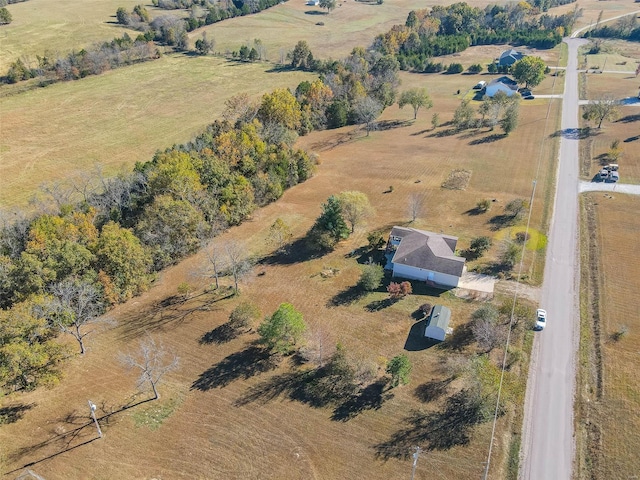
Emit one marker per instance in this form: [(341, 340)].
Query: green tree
[(463, 116), (435, 121), (281, 331), (603, 108), (29, 354), (122, 16), (529, 70), (301, 56), (417, 98), (355, 207), (5, 16), (399, 367), (279, 234), (478, 246), (510, 254), (510, 120), (204, 45), (331, 220), (121, 255), (371, 277), (328, 4), (142, 13), (172, 228), (243, 315)]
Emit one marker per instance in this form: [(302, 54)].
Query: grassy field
[(610, 388), (206, 429), (38, 26), (118, 118)]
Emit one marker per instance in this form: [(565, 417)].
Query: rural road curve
[(547, 438)]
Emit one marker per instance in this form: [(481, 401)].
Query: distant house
[(509, 57), (427, 256), (313, 3), (501, 84), (438, 323)]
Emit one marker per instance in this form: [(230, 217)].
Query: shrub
[(399, 290), (475, 68), (371, 277), (425, 308), (455, 68), (483, 205), (243, 315)]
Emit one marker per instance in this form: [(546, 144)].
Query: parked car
[(480, 85), (613, 177), (541, 319), (603, 174)]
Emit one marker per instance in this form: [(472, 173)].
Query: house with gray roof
[(438, 323), (421, 255), (509, 57), (501, 84)]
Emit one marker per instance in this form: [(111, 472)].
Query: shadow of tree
[(317, 389), (629, 118), (390, 124), (442, 430), (461, 337), (13, 413), (372, 397), (219, 335), (245, 364), (169, 312), (346, 297), (488, 139), (498, 222), (378, 305), (296, 252), (444, 133), (433, 390), (576, 133)]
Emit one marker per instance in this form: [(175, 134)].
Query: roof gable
[(428, 251), (440, 317)]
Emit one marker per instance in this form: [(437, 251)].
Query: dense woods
[(443, 30)]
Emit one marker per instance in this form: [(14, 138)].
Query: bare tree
[(154, 361), (416, 205), (318, 345), (366, 110), (76, 304), (239, 265), (14, 231), (488, 334), (240, 108)]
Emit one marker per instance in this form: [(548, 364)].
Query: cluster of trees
[(103, 238), (172, 30), (331, 226), (354, 90), (443, 30), (497, 110), (90, 61), (625, 28)]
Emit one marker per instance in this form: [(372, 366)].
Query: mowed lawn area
[(118, 118), (228, 414), (615, 454)]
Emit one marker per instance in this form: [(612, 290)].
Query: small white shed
[(438, 323)]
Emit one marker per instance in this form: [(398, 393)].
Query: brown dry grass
[(207, 436), (614, 415)]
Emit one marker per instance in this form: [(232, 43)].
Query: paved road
[(547, 445), (609, 187)]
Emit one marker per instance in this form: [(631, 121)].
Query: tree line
[(79, 64), (99, 241), (444, 30)]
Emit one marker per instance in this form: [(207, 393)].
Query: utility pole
[(415, 456), (92, 408)]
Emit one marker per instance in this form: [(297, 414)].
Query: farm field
[(39, 26), (613, 407), (215, 427), (118, 118)]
